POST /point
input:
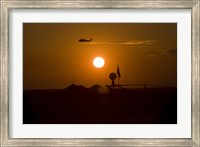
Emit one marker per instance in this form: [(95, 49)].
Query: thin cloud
[(160, 52), (171, 52), (126, 42), (151, 56)]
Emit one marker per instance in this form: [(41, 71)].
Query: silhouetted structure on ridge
[(118, 73), (113, 76)]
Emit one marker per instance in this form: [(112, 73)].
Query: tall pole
[(118, 80), (118, 74)]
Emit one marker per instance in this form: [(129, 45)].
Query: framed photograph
[(96, 87), (100, 73)]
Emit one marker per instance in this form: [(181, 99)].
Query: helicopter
[(85, 40)]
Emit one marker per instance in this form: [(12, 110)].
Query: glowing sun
[(98, 62)]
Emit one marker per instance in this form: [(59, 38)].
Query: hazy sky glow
[(54, 58)]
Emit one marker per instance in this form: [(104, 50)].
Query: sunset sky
[(53, 57)]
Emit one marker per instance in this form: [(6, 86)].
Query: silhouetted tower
[(113, 76), (118, 74)]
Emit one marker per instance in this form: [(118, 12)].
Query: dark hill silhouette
[(95, 87), (79, 105), (75, 88)]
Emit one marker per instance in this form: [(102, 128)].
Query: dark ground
[(80, 105)]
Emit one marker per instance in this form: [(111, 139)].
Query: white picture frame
[(7, 5)]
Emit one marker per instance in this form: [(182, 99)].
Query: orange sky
[(53, 57)]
